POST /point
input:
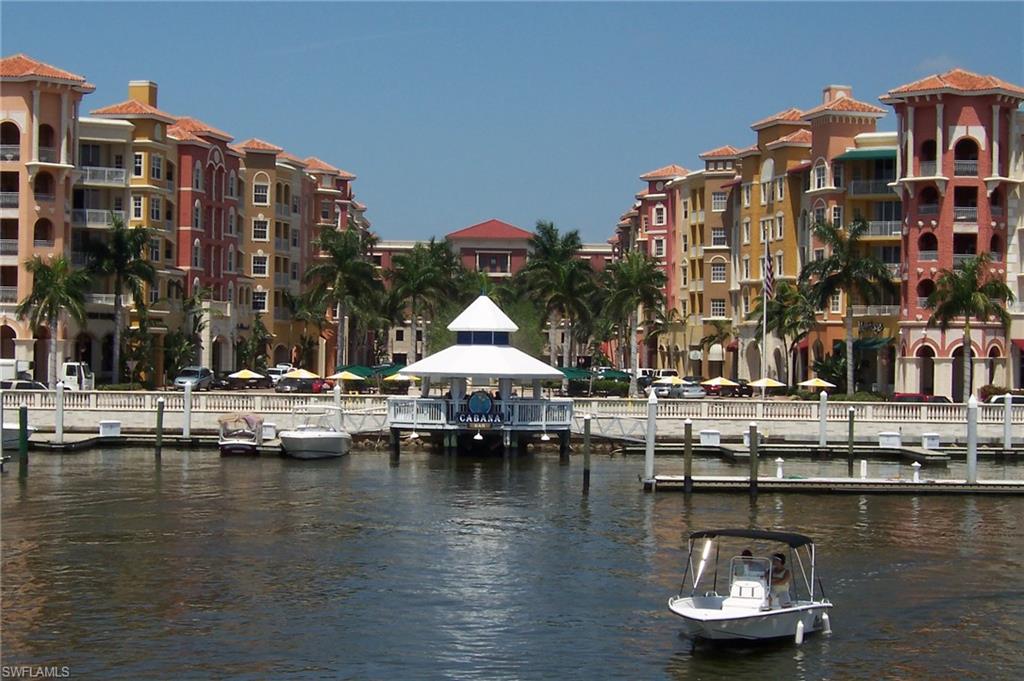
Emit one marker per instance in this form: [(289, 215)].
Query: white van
[(77, 376), (662, 373)]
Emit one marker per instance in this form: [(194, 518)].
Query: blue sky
[(454, 113)]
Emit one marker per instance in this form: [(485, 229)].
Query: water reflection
[(455, 567)]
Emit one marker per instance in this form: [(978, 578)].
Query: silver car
[(201, 378), (688, 391)]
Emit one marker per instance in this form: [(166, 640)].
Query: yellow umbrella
[(669, 380), (721, 381), (245, 374), (401, 377), (816, 383), (766, 383), (300, 373), (346, 376)]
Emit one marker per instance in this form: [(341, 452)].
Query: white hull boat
[(240, 434), (763, 600), (319, 436)]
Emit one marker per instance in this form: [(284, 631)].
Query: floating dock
[(725, 483), (737, 453)]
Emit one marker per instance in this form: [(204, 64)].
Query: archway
[(42, 233), (993, 355), (281, 354), (927, 357), (779, 360), (957, 389), (107, 355), (7, 336), (217, 354), (753, 356)]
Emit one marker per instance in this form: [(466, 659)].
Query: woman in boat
[(781, 579)]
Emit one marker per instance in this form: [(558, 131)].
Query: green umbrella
[(574, 374), (614, 375)]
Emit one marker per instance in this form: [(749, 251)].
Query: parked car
[(275, 373), (296, 385), (1001, 399), (921, 397), (741, 390), (201, 378), (662, 373), (22, 385), (688, 391), (693, 379)]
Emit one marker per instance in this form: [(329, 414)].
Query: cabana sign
[(479, 411)]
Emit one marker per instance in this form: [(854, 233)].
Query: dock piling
[(160, 402), (58, 428), (778, 467), (688, 457), (23, 441), (186, 428), (823, 419), (652, 430), (563, 447), (1007, 419), (396, 445), (917, 470), (849, 441), (586, 454), (972, 440), (863, 469), (753, 459)]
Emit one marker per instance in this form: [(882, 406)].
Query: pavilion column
[(939, 147), (64, 128)]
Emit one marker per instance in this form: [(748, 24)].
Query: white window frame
[(659, 248), (155, 208), (718, 272), (718, 303), (746, 267), (779, 227), (266, 229), (260, 188), (136, 207), (660, 215), (779, 262), (265, 260), (197, 215), (155, 247), (835, 302), (156, 167), (837, 216), (719, 237), (137, 165), (197, 176), (819, 179), (197, 255), (780, 188), (718, 202), (256, 297), (746, 195), (746, 231)]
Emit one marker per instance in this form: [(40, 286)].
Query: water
[(469, 569)]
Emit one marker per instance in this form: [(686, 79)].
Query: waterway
[(198, 567)]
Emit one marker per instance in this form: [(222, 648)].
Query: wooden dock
[(741, 484), (739, 453)]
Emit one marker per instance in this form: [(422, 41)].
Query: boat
[(751, 609), (318, 436), (240, 434)]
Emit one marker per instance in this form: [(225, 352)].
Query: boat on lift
[(759, 601)]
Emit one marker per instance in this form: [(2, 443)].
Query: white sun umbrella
[(816, 383), (766, 383), (346, 376), (399, 377), (721, 381), (245, 374), (301, 373)]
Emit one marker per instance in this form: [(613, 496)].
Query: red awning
[(802, 345), (733, 183), (733, 345), (1019, 342), (799, 168)]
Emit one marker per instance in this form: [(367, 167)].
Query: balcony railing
[(280, 279), (965, 213), (10, 152), (996, 211), (996, 257), (8, 294), (884, 228), (960, 258), (99, 175), (862, 187), (47, 154), (894, 268), (282, 211), (102, 299), (79, 258), (42, 243), (928, 256), (44, 196), (280, 244), (922, 302), (927, 209), (8, 247), (8, 199), (92, 217), (928, 168), (965, 168), (875, 310), (529, 414)]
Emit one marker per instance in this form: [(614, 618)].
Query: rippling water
[(444, 568)]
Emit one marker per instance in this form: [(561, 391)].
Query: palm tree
[(848, 268), (421, 277), (122, 256), (721, 332), (307, 309), (634, 282), (57, 291), (971, 291), (663, 324), (791, 316), (342, 273)]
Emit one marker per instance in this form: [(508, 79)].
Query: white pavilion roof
[(483, 315), (481, 362)]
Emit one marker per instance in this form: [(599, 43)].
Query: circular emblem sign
[(480, 403)]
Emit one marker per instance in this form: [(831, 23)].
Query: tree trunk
[(54, 323), (551, 340), (340, 339), (849, 349), (117, 330), (633, 355), (967, 361)]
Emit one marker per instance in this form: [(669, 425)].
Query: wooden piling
[(753, 458), (688, 457), (563, 447), (23, 441), (849, 441), (586, 454), (395, 445), (160, 402)]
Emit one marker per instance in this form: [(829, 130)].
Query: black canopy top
[(792, 538)]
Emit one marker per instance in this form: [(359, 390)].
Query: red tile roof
[(665, 173), (183, 135), (198, 127), (728, 151), (798, 137), (844, 104), (315, 164), (131, 107), (957, 80), (22, 66), (254, 144), (752, 149), (792, 116), (291, 158), (491, 229)]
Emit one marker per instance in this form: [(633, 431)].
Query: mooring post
[(972, 440), (752, 434), (563, 447), (396, 445), (58, 398), (688, 456), (337, 405), (586, 454), (917, 470), (778, 467), (186, 428), (823, 419), (652, 431), (1007, 418), (849, 441), (23, 440), (160, 404)]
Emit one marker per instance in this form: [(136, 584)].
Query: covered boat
[(240, 434), (762, 598)]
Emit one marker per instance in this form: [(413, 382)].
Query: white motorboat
[(240, 434), (319, 435), (752, 608)]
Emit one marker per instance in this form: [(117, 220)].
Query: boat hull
[(304, 445), (742, 625), (237, 448)]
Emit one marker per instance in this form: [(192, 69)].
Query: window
[(295, 271), (136, 207), (718, 272), (780, 188), (156, 167), (834, 302), (778, 266), (230, 265), (90, 154), (325, 210), (259, 265), (718, 307), (685, 272), (765, 192), (718, 236), (746, 231), (778, 226), (197, 216), (659, 215), (119, 160), (118, 203), (746, 195), (154, 293), (197, 176), (259, 301), (819, 215), (399, 335), (686, 209), (837, 216), (168, 250), (137, 166), (295, 238), (154, 209), (820, 181), (717, 202), (746, 268), (685, 241), (231, 185), (837, 174), (766, 228), (261, 230), (261, 196), (154, 249), (819, 253), (746, 304), (659, 248), (197, 254)]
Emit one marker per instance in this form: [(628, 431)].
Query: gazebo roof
[(481, 362), (483, 315)]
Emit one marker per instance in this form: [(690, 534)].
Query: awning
[(868, 154), (1018, 343), (716, 353), (872, 343), (803, 344)]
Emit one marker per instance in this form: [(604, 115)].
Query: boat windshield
[(747, 569)]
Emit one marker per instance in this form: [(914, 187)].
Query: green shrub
[(121, 386)]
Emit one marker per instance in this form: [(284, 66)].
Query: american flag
[(769, 277)]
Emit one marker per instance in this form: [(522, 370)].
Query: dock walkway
[(725, 483)]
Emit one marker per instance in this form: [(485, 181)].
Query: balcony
[(996, 257), (280, 244), (218, 308), (280, 279), (45, 196), (96, 218), (965, 168), (8, 199), (117, 177), (698, 285), (42, 243), (10, 152), (866, 187), (105, 299), (282, 211), (875, 310), (1016, 307), (929, 169), (47, 154), (959, 259), (8, 294), (965, 213), (928, 256), (996, 211), (922, 302), (893, 267), (927, 209), (884, 228), (8, 247)]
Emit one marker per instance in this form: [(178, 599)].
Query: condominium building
[(1015, 252)]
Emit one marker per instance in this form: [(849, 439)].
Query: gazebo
[(481, 357)]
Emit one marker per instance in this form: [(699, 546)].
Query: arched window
[(197, 215), (197, 176), (928, 150), (925, 288), (231, 259), (965, 158), (230, 224), (928, 247), (10, 141), (287, 195), (996, 248), (231, 184), (197, 254), (45, 139), (42, 233), (42, 186)]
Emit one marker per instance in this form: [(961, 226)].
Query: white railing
[(10, 152), (959, 259), (884, 228), (965, 213), (45, 196), (93, 217), (42, 243), (893, 267), (102, 299), (8, 247), (8, 199), (928, 256), (410, 412), (965, 168), (927, 209), (861, 187), (100, 175), (875, 310), (8, 294), (928, 169), (47, 154), (922, 302)]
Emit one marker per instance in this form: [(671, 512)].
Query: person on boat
[(751, 567), (781, 579)]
